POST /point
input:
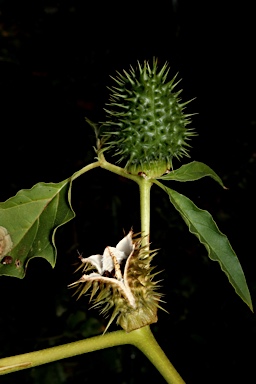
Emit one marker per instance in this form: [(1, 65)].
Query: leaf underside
[(31, 218), (201, 224)]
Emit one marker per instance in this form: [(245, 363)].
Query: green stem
[(117, 170), (145, 186), (146, 342), (33, 359), (85, 169), (142, 338)]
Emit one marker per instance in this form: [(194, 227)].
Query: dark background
[(55, 62)]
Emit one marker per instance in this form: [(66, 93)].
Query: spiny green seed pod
[(146, 125), (123, 283)]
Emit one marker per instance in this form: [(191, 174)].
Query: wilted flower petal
[(125, 245), (129, 290), (95, 260)]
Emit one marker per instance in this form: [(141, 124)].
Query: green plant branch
[(145, 187), (145, 341), (85, 169), (117, 170), (109, 167), (171, 129), (161, 185), (33, 359), (142, 338)]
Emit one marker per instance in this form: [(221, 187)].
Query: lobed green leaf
[(31, 218)]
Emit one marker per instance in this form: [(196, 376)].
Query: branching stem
[(142, 338)]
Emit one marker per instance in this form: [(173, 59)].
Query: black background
[(55, 62)]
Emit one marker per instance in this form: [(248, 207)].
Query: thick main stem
[(142, 338), (146, 342)]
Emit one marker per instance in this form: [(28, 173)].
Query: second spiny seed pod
[(122, 281), (146, 126)]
